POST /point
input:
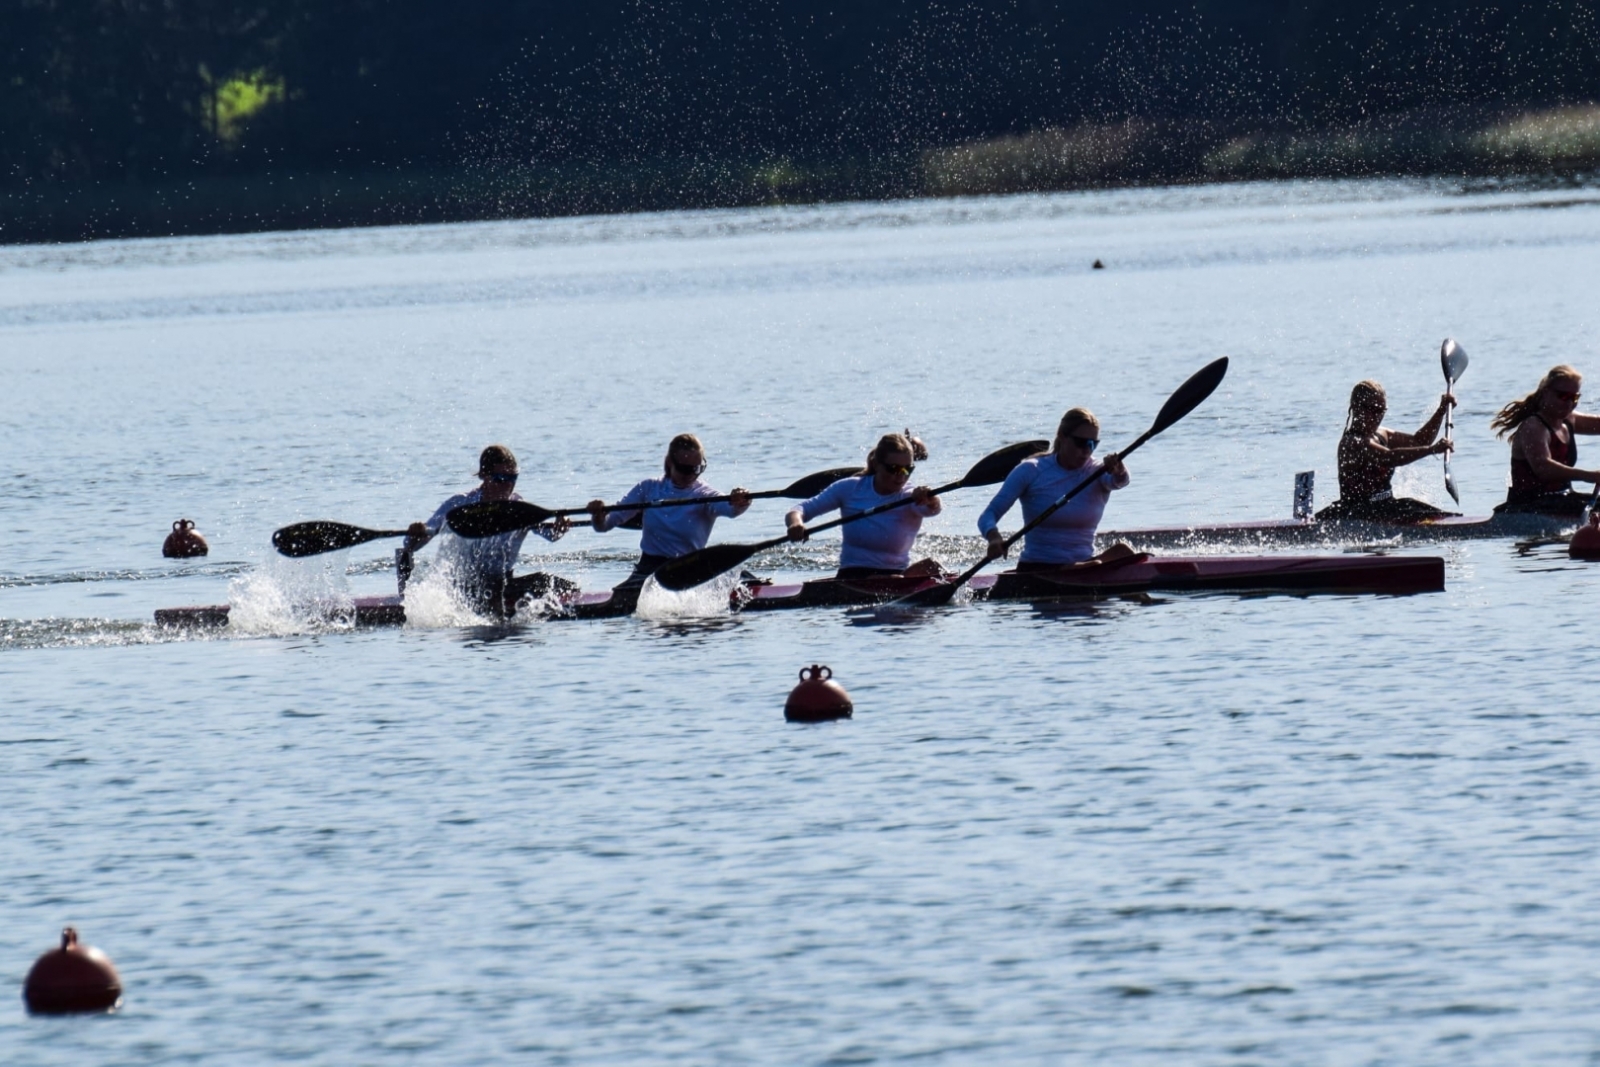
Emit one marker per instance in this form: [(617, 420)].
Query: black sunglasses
[(1088, 444), (503, 479)]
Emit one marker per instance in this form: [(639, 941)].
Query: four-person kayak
[(1333, 574)]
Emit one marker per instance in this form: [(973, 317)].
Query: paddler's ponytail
[(1517, 412), (897, 442)]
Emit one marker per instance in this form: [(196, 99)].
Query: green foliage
[(234, 102)]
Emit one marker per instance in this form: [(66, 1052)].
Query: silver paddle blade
[(1453, 358), (1450, 482)]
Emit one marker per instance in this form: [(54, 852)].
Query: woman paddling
[(1067, 536), (670, 532), (482, 567), (880, 546), (1369, 452), (1544, 428)]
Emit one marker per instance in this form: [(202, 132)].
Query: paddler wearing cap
[(482, 567), (676, 531), (1067, 536), (1369, 452)]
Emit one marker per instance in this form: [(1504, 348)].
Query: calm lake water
[(1202, 831)]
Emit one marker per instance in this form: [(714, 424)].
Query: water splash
[(289, 596), (708, 600), (434, 600)]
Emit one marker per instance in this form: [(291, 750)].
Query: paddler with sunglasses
[(1544, 428), (482, 567), (880, 546), (670, 532), (1067, 536)]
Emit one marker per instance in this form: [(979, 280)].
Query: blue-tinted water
[(1204, 830)]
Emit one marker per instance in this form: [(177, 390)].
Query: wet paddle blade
[(1454, 360), (1450, 482), (996, 466), (493, 517), (1190, 395), (700, 567), (812, 484), (314, 538)]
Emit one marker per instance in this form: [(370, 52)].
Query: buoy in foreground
[(184, 542), (72, 978), (818, 698), (1586, 542)]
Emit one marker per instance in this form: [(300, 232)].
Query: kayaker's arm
[(1399, 457), (1586, 424), (1429, 429), (1534, 441)]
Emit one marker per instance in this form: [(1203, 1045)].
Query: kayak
[(1337, 574), (1310, 531), (1306, 529)]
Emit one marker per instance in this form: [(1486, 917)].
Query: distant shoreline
[(1558, 143)]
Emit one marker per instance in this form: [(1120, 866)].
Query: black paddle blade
[(700, 567), (491, 517), (996, 466), (1201, 384), (812, 484), (314, 538)]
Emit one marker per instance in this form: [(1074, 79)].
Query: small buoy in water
[(1099, 265), (817, 698), (1586, 542), (72, 978), (184, 541)]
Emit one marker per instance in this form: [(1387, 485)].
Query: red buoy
[(184, 542), (817, 698), (72, 978), (1586, 542)]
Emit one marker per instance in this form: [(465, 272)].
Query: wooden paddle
[(502, 516), (1188, 397), (686, 572), (322, 535), (1453, 358)]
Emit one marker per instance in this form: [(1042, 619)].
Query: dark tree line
[(126, 90)]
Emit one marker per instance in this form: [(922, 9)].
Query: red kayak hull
[(1341, 574)]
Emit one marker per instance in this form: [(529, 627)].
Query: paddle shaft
[(844, 519), (765, 494), (1449, 429)]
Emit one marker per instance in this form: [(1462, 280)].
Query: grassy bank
[(1138, 152), (1561, 140)]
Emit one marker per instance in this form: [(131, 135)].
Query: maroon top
[(1525, 485)]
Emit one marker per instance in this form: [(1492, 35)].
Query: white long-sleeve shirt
[(883, 541), (1067, 536), (670, 532), (475, 558)]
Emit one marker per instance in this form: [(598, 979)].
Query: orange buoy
[(1586, 542), (72, 978), (184, 542), (817, 698)]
